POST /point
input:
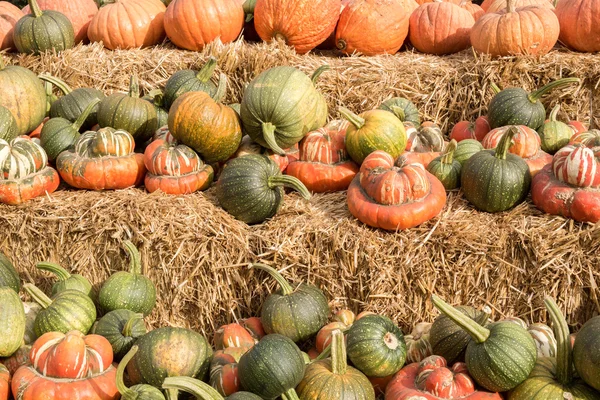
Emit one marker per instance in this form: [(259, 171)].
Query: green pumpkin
[(272, 368), (8, 125), (59, 134), (201, 390), (280, 106), (188, 80), (167, 352), (128, 290), (500, 356), (66, 280), (554, 134), (8, 274), (136, 392), (449, 340), (373, 130), (67, 311), (495, 180), (402, 108), (43, 30), (156, 98), (74, 102), (586, 356), (12, 321), (297, 312), (121, 328), (465, 149), (514, 106), (129, 112), (552, 378), (251, 188), (446, 168)]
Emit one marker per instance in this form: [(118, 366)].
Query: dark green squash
[(281, 105), (121, 328), (156, 98), (495, 180), (402, 108), (66, 280), (59, 134), (67, 311), (201, 390), (376, 346), (500, 356), (136, 392), (8, 125), (12, 321), (43, 30), (465, 149), (8, 274), (554, 134), (129, 112), (188, 80), (272, 368), (251, 188), (296, 312), (129, 290), (514, 106), (446, 168), (586, 354)]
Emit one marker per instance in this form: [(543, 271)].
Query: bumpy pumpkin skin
[(9, 15), (79, 12), (579, 24)]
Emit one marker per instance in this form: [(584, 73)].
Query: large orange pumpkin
[(579, 24), (303, 24), (9, 15), (79, 12), (192, 24), (500, 5)]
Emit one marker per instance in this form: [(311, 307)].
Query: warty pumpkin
[(79, 12), (187, 80), (579, 24), (8, 124), (66, 280), (9, 15), (137, 392), (467, 130), (43, 30)]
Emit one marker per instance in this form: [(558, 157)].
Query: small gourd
[(446, 168)]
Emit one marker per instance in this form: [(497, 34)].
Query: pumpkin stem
[(477, 332), (290, 182), (286, 288), (157, 97), (134, 87), (554, 113), (61, 273), (37, 295), (128, 328), (354, 119), (564, 356), (35, 8), (172, 394), (535, 96), (505, 143), (268, 130), (340, 44), (339, 363), (86, 112), (221, 88), (193, 386), (510, 6), (121, 370), (135, 263), (207, 71), (315, 76), (59, 83), (448, 156), (399, 112), (495, 88), (290, 395)]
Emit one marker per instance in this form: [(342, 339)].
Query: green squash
[(500, 356), (251, 188), (167, 352), (586, 356), (136, 392), (50, 97), (297, 312), (465, 149), (67, 311), (446, 168), (121, 328), (129, 290), (373, 130), (272, 368), (495, 180), (8, 125), (188, 80), (201, 390), (43, 30), (552, 378), (402, 108), (12, 321), (129, 112), (66, 280), (59, 134), (8, 274), (156, 98), (514, 106), (280, 106), (554, 134)]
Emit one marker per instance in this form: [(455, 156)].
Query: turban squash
[(392, 198)]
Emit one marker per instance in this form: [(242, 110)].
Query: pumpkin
[(586, 138), (128, 24), (579, 27), (496, 6), (392, 198), (210, 128), (66, 311), (254, 326), (542, 335), (440, 28), (279, 311), (4, 382), (323, 338), (121, 328), (584, 353), (250, 188), (79, 13), (465, 149), (233, 335), (372, 27), (554, 134), (155, 97), (9, 277), (411, 157), (467, 130), (249, 146), (578, 165), (273, 367), (187, 80), (9, 15), (224, 375), (313, 21), (17, 359), (8, 124), (475, 10), (12, 321), (66, 280), (428, 138), (204, 21), (495, 180), (281, 105), (418, 346), (201, 390), (24, 171), (577, 127), (139, 391), (373, 130), (40, 31), (324, 164), (102, 160), (128, 112), (129, 290), (403, 108), (500, 356), (446, 168)]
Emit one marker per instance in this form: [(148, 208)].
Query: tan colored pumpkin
[(79, 12), (500, 5), (487, 3), (579, 24), (9, 15)]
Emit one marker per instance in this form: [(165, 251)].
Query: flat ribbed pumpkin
[(579, 24), (79, 12), (9, 15)]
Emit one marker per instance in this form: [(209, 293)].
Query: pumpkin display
[(281, 105), (584, 354), (446, 168), (402, 108), (584, 34), (465, 149), (24, 171), (324, 164), (500, 356), (102, 160), (496, 6), (79, 13), (554, 134), (192, 24), (121, 328), (140, 391), (467, 130), (40, 31), (187, 80), (9, 15), (392, 198), (66, 280), (496, 180), (128, 24), (8, 124), (362, 29), (251, 188), (12, 321), (201, 390), (9, 277), (418, 346), (128, 290)]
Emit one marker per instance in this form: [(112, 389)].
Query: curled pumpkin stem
[(268, 130), (290, 182), (206, 72), (315, 76), (221, 88)]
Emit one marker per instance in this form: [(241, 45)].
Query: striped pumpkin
[(578, 166), (589, 138)]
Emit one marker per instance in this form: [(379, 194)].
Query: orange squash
[(79, 12), (9, 15), (579, 24), (467, 130), (500, 5)]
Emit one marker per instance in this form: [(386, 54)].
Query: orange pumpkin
[(224, 370), (440, 28), (9, 15), (372, 27), (527, 30), (475, 10), (128, 24), (233, 335), (4, 382), (500, 5), (468, 130), (79, 12), (392, 198), (313, 21), (192, 24), (577, 127), (587, 138), (412, 157), (579, 24)]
